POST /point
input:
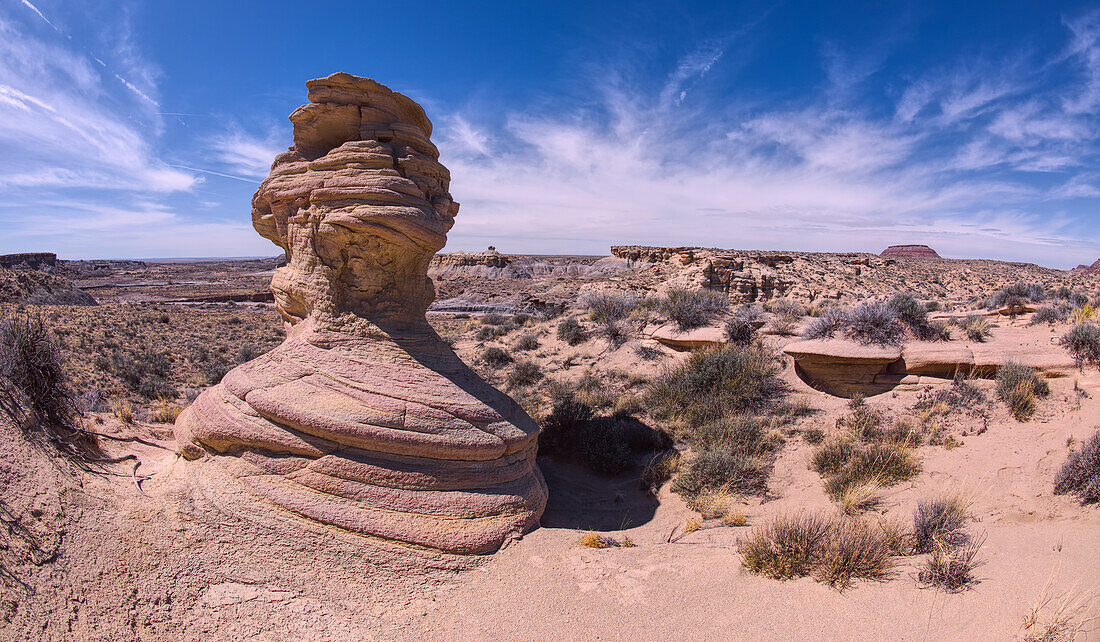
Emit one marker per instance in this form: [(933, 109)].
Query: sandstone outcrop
[(494, 265), (30, 286), (910, 251), (364, 419), (43, 261)]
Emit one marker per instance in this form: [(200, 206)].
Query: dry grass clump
[(592, 539), (951, 568), (122, 410), (1018, 386), (35, 390), (529, 341), (1060, 617), (659, 469), (691, 308), (835, 551), (785, 316), (867, 457), (1080, 475), (710, 470), (977, 327), (1083, 342), (164, 411), (941, 520)]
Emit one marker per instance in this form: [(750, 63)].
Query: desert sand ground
[(157, 551)]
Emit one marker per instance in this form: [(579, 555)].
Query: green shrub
[(692, 308), (1080, 474), (571, 332), (716, 383)]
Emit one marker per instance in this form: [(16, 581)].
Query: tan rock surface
[(673, 337), (364, 418)]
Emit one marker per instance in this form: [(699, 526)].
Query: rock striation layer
[(910, 251), (364, 419)]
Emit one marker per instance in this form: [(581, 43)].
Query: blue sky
[(141, 130)]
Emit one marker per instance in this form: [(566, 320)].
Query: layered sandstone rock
[(364, 418), (910, 251)]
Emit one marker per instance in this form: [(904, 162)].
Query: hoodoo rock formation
[(910, 251), (364, 419)]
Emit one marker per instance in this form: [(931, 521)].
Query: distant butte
[(903, 251)]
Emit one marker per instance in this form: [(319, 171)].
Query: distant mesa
[(42, 261), (910, 251), (1088, 269)]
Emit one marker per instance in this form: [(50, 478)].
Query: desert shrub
[(32, 372), (909, 311), (962, 394), (247, 352), (494, 318), (743, 434), (874, 323), (712, 470), (1048, 314), (35, 387), (832, 456), (485, 334), (496, 357), (1080, 474), (716, 383), (1018, 386), (950, 568), (527, 342), (786, 308), (826, 325), (164, 411), (614, 332), (977, 327), (833, 550), (782, 325), (214, 372), (608, 307), (605, 444), (523, 374), (940, 520), (1083, 343), (740, 330), (1083, 313), (1033, 292), (814, 436), (864, 421), (692, 308), (571, 331), (521, 318)]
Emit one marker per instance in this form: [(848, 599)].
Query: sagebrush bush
[(523, 374), (692, 308), (1018, 386), (607, 307), (835, 551), (1080, 474), (494, 318), (1083, 343), (1048, 314), (571, 331), (909, 311), (527, 342), (496, 357), (826, 325), (716, 383), (740, 330), (874, 323), (1033, 292)]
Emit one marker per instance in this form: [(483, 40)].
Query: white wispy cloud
[(950, 166), (247, 155)]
